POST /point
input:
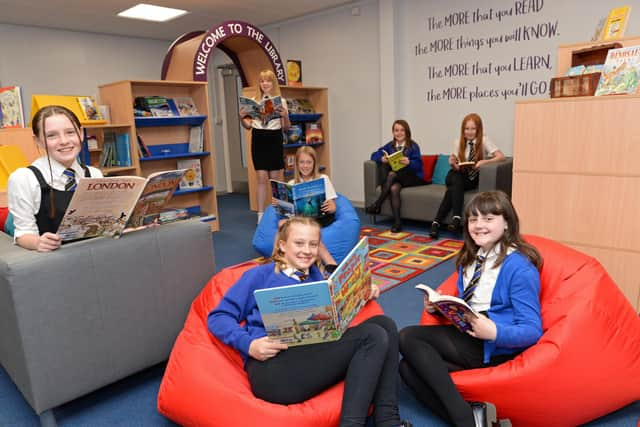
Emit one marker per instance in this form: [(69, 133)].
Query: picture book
[(394, 160), (621, 72), (11, 106), (313, 133), (453, 308), (89, 108), (264, 111), (616, 23), (310, 313), (186, 106), (575, 71), (193, 177), (294, 72), (304, 198), (105, 206), (596, 68)]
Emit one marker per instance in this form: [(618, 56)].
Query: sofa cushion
[(4, 212), (428, 165), (441, 169)]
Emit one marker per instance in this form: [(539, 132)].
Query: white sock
[(260, 216)]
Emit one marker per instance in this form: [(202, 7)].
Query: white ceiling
[(99, 16)]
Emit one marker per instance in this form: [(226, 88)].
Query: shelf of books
[(167, 127), (309, 116)]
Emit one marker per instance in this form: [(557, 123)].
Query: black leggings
[(429, 354), (453, 200), (366, 358), (393, 183)]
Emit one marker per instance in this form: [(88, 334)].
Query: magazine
[(12, 115), (621, 72), (394, 160), (106, 206), (89, 108), (304, 198), (186, 106), (310, 313), (453, 308), (264, 111)]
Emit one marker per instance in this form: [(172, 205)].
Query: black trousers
[(453, 200), (366, 358), (429, 354)]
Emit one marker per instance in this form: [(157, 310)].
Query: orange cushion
[(428, 164), (582, 366), (205, 384)]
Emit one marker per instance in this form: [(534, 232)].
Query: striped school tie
[(71, 179), (475, 279), (301, 275), (473, 172)]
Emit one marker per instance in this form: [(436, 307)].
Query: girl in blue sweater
[(498, 276), (408, 176), (365, 357)]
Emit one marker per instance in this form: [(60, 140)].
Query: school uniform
[(267, 152)]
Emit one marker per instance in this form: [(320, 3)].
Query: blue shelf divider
[(143, 122), (300, 144), (171, 151), (193, 190), (304, 117)]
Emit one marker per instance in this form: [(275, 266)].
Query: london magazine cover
[(315, 312), (304, 198), (106, 206), (453, 308)]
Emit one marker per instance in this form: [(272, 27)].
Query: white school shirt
[(329, 190), (481, 298), (488, 148), (274, 124), (24, 192)]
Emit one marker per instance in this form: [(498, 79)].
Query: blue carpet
[(132, 401)]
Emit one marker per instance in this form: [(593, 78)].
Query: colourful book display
[(621, 72), (11, 108), (616, 23)]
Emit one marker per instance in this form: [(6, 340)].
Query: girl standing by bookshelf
[(266, 138), (498, 276), (411, 173), (471, 150), (365, 357), (39, 194)]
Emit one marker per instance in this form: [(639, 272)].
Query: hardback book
[(106, 206), (616, 23), (453, 308), (313, 133), (89, 108), (11, 106), (304, 198), (316, 312), (192, 179), (263, 111), (394, 160), (196, 141), (620, 72), (186, 106), (294, 72)]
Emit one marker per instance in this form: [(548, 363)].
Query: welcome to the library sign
[(229, 29)]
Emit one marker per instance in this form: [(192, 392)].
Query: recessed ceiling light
[(149, 12)]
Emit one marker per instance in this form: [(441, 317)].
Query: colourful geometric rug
[(397, 257)]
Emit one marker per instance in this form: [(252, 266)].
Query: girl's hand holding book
[(265, 348), (483, 327)]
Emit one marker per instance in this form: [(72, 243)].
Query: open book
[(304, 198), (453, 308), (105, 206), (309, 313), (394, 160), (264, 110)]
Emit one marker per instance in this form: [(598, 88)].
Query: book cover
[(620, 72), (575, 71), (123, 150), (453, 308), (313, 133), (193, 177), (160, 106), (616, 23), (300, 106), (596, 68), (294, 72), (196, 141), (11, 107), (156, 194), (89, 108), (263, 111), (310, 313), (103, 206), (394, 160), (305, 198), (186, 106)]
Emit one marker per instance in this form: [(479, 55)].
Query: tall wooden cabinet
[(318, 97), (576, 177), (165, 136)]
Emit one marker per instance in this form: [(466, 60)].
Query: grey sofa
[(96, 311), (422, 202)]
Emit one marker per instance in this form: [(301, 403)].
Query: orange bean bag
[(587, 362), (205, 383)]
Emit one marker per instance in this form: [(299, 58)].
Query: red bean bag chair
[(205, 383), (587, 362)]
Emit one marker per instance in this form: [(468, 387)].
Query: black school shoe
[(435, 230), (373, 209), (484, 414), (405, 423), (454, 227)]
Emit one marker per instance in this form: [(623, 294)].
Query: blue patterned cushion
[(441, 170)]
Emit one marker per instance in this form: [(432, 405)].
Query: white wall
[(48, 61)]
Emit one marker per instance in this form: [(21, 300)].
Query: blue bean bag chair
[(339, 237)]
